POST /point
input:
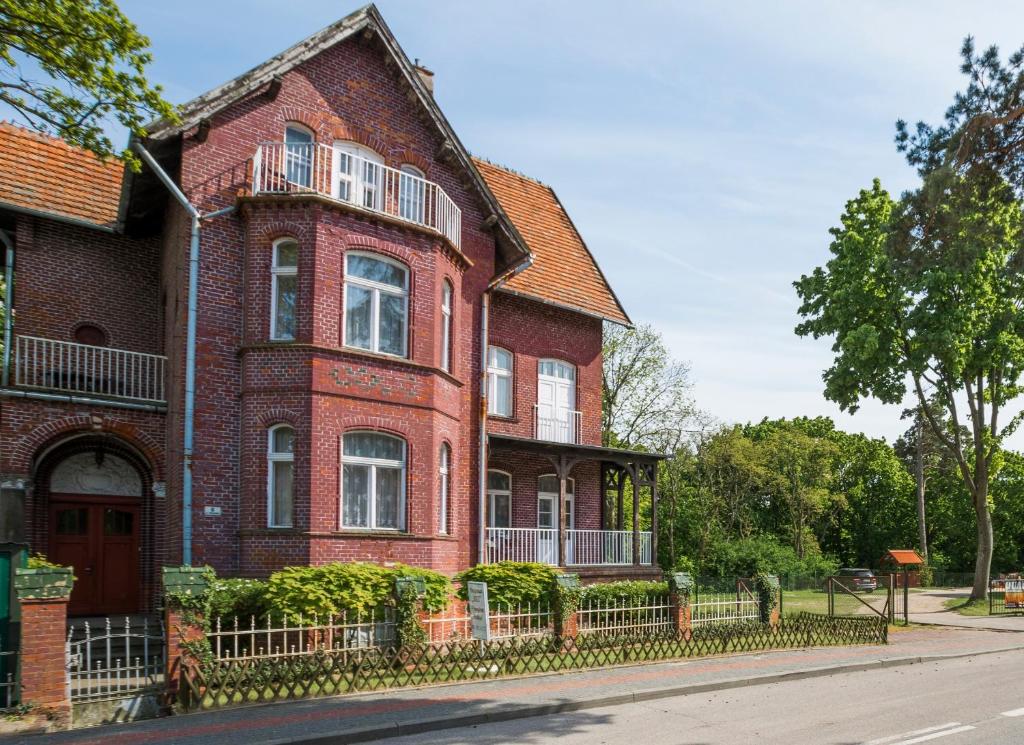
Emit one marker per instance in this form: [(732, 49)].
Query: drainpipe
[(190, 344), (485, 321), (8, 307)]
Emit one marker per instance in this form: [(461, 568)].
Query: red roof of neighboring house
[(902, 556), (46, 174), (563, 272)]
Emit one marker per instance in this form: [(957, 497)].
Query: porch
[(589, 509)]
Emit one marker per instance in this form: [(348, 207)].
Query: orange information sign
[(1014, 597)]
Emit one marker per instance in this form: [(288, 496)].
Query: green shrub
[(237, 598), (627, 592), (511, 582), (750, 556), (347, 588), (38, 561)]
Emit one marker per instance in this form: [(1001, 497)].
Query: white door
[(556, 401), (547, 520)]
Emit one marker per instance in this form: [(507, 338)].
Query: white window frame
[(493, 373), (412, 192), (492, 493), (277, 271), (376, 288), (308, 165), (570, 492), (273, 458), (359, 189), (447, 294), (444, 472), (374, 464)]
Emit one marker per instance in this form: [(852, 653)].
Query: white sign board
[(479, 614)]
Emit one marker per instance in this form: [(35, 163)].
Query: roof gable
[(563, 272), (44, 174)]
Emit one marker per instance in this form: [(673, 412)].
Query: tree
[(933, 297), (66, 65), (647, 399)]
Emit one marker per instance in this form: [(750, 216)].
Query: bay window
[(376, 304), (373, 481), (280, 476), (284, 282)]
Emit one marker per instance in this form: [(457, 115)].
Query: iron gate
[(114, 659)]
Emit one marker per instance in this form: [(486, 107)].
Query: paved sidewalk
[(362, 717), (928, 607)]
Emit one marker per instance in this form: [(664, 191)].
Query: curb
[(399, 729)]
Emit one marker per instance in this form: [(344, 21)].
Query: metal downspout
[(190, 345), (8, 308), (485, 321)]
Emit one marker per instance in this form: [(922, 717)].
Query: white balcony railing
[(582, 547), (68, 367), (287, 168), (563, 425)]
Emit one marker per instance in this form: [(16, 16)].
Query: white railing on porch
[(583, 547), (564, 426), (52, 365), (288, 168)]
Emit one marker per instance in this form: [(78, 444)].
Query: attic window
[(91, 335)]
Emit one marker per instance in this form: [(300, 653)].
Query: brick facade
[(246, 383)]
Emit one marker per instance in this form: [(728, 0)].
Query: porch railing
[(563, 426), (583, 547), (48, 364), (289, 168)]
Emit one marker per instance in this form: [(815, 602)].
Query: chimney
[(426, 76)]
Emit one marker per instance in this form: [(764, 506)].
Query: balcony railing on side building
[(289, 168), (68, 367), (563, 425)]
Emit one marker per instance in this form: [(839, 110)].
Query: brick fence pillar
[(43, 595), (566, 617), (680, 587), (182, 625), (769, 593)]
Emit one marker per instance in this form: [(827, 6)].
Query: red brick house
[(375, 314)]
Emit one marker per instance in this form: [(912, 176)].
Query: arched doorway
[(95, 511)]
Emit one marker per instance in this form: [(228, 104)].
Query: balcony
[(288, 168), (561, 425), (80, 369), (582, 547)]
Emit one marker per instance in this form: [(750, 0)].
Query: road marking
[(1013, 713), (902, 737), (936, 735)]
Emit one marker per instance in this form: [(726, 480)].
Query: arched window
[(446, 326), (284, 289), (357, 175), (376, 304), (499, 499), (444, 473), (373, 481), (411, 190), (499, 381), (280, 476), (298, 158)]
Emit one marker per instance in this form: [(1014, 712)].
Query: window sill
[(503, 418)]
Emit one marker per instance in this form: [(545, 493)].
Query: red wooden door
[(99, 537)]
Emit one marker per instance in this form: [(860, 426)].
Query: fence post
[(567, 601), (768, 594), (680, 586), (183, 621), (43, 595)]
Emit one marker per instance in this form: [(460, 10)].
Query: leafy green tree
[(933, 298), (647, 401), (66, 65)]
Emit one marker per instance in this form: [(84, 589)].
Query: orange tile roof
[(902, 556), (46, 174), (563, 271)]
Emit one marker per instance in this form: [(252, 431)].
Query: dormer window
[(358, 175)]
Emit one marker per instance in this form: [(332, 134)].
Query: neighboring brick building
[(340, 311)]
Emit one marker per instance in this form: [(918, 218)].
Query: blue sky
[(702, 148)]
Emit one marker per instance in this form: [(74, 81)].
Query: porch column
[(654, 513), (619, 488), (634, 473), (563, 522)]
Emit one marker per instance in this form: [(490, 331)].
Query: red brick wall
[(42, 663), (527, 469), (533, 331)]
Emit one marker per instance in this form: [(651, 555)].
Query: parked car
[(858, 580)]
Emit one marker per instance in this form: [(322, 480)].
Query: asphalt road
[(976, 701)]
